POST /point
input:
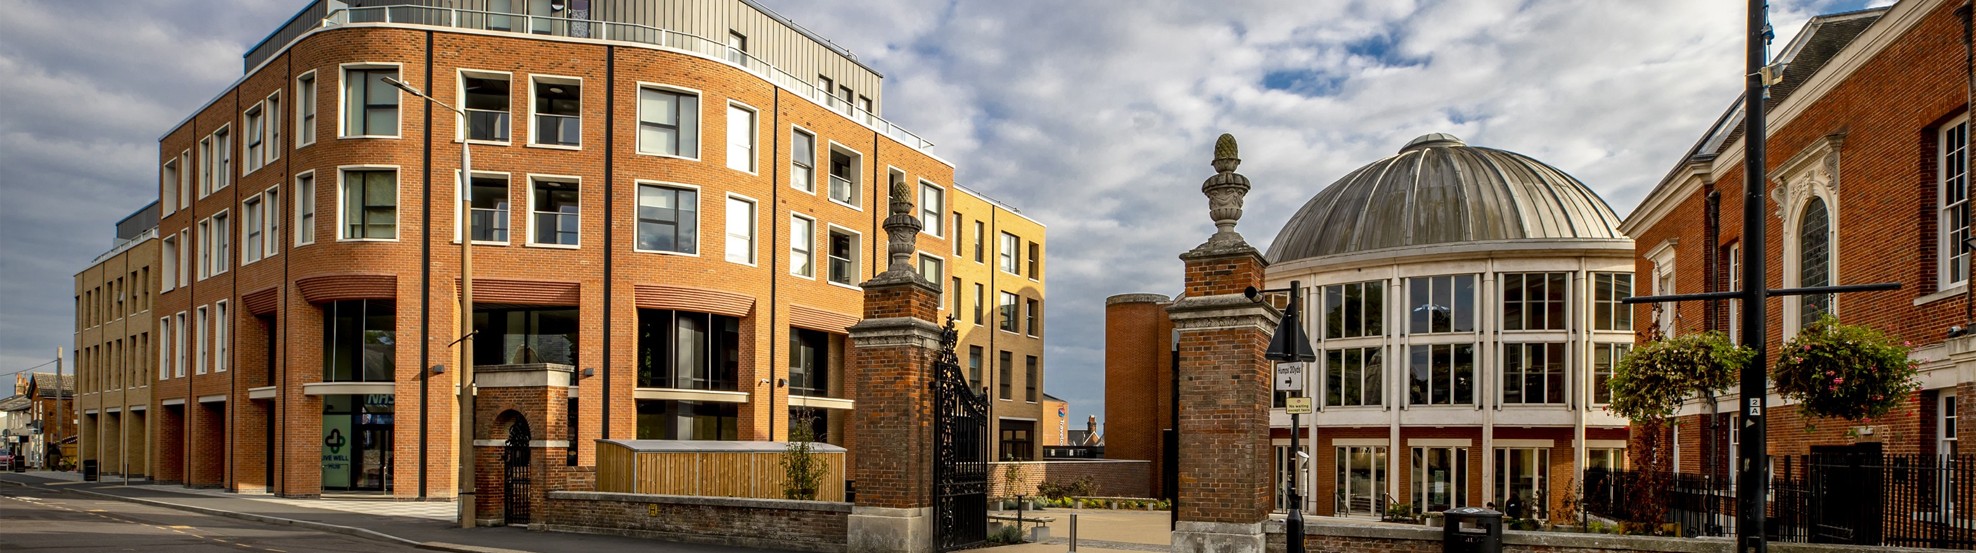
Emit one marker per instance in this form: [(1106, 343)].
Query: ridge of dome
[(1432, 140)]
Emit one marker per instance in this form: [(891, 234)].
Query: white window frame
[(1662, 258), (1735, 284), (253, 120), (753, 228), (205, 254), (699, 121), (168, 175), (307, 92), (811, 163), (808, 248), (1945, 440), (272, 151), (185, 245), (221, 344), (535, 179), (532, 129), (165, 347), (271, 221), (934, 217), (253, 221), (305, 234), (168, 257), (1945, 247), (343, 102), (222, 243), (699, 206), (920, 258), (1011, 320), (223, 147), (857, 183), (459, 191), (1008, 257), (179, 351), (201, 328), (1794, 249), (185, 179), (397, 211), (753, 156), (460, 84), (857, 256), (737, 48), (206, 166)]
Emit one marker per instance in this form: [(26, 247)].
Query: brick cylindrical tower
[(1224, 380), (893, 425)]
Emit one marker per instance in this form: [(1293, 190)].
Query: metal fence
[(1859, 499)]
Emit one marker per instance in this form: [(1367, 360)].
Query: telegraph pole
[(1750, 456)]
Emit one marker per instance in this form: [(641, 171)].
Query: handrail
[(621, 32)]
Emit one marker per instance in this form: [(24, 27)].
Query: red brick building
[(1868, 175), (309, 238)]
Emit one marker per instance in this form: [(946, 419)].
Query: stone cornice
[(1222, 312), (895, 332)]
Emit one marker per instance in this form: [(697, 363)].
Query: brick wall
[(758, 523), (1113, 478), (1138, 381), (1224, 430)]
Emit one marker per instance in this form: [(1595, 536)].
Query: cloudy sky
[(1095, 116)]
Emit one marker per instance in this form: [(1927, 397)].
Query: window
[(370, 205), (1533, 373), (668, 123), (221, 325), (809, 362), (1953, 167), (1033, 317), (205, 248), (1945, 427), (168, 256), (740, 230), (1608, 291), (1522, 476), (487, 104), (1354, 310), (687, 420), (802, 161), (1442, 304), (272, 222), (844, 176), (737, 48), (802, 246), (740, 138), (1018, 440), (489, 208), (255, 129), (1361, 479), (1006, 370), (164, 347), (1354, 377), (980, 246), (1815, 260), (1005, 311), (185, 179), (185, 247), (558, 109), (223, 148), (168, 186), (370, 106), (932, 268), (1008, 253), (824, 85), (843, 256), (954, 291), (222, 244), (1032, 377), (1035, 261), (205, 166), (843, 102), (178, 347), (202, 325), (931, 207), (524, 335), (1440, 477), (1442, 375), (668, 219), (980, 303), (688, 350), (974, 355), (957, 235), (360, 341), (1534, 301), (250, 230), (864, 109), (305, 209), (556, 218), (1613, 458), (274, 127), (1605, 357), (1735, 266), (305, 109)]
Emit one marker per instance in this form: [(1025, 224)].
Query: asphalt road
[(39, 519)]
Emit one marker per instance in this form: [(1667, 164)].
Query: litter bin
[(89, 470), (1472, 530)]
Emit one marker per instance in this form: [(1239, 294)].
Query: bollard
[(1073, 533)]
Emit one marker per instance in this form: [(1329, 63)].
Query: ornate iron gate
[(514, 501), (960, 453)]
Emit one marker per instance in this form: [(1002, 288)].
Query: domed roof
[(1440, 190)]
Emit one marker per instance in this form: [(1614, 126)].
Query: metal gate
[(514, 459), (960, 453)]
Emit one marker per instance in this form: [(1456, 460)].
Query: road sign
[(1297, 406), (1290, 377)]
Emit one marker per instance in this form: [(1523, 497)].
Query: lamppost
[(1290, 348), (465, 371)]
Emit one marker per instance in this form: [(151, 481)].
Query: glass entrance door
[(357, 442), (1521, 474), (1361, 479), (1440, 478)]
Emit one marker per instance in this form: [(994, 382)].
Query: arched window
[(1814, 260)]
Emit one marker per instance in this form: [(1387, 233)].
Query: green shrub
[(1007, 534), (1083, 486)]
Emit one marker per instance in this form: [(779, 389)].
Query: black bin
[(1472, 530), (89, 470)]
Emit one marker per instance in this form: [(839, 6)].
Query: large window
[(932, 202), (802, 160), (1354, 310), (178, 346), (370, 105), (251, 227), (843, 256), (740, 230), (1032, 317), (1608, 290), (487, 104), (740, 138), (980, 303), (1440, 477), (844, 176), (1534, 301), (168, 257), (688, 350), (802, 246), (668, 123), (271, 221), (370, 205), (809, 362), (1442, 375), (1605, 357), (526, 335), (1953, 166), (254, 140), (1815, 260), (558, 111), (1018, 440), (1521, 477), (556, 214), (1009, 253), (305, 209), (974, 355), (1353, 376), (687, 420), (360, 341), (164, 347), (668, 219), (223, 147), (222, 244), (1035, 261), (490, 208), (980, 242), (1441, 304), (933, 269), (1005, 373), (202, 324), (305, 109), (1005, 310), (1032, 377), (222, 347), (1361, 480), (1533, 373)]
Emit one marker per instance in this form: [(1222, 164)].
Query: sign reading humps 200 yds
[(1290, 377)]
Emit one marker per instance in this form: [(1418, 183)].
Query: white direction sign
[(1290, 377)]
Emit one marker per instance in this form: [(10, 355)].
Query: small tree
[(802, 467), (1011, 476)]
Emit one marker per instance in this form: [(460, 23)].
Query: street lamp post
[(1290, 345), (465, 370)]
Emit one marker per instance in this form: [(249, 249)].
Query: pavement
[(49, 519), (1098, 530), (356, 518)]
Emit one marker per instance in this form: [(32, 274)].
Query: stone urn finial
[(1225, 191), (900, 230)]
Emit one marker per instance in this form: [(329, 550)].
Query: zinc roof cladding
[(1439, 190)]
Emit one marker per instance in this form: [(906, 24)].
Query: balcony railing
[(558, 130), (486, 124), (840, 270), (841, 189), (624, 32)]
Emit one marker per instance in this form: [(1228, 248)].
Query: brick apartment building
[(32, 421), (1463, 302), (1868, 175), (309, 280), (114, 351)]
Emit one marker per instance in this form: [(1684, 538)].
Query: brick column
[(895, 346), (536, 394), (1225, 471)]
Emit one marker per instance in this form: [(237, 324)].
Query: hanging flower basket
[(1651, 381), (1844, 371)]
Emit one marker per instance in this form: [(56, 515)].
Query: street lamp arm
[(402, 85)]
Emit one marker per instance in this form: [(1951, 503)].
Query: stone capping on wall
[(1423, 538), (743, 502), (523, 375)]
